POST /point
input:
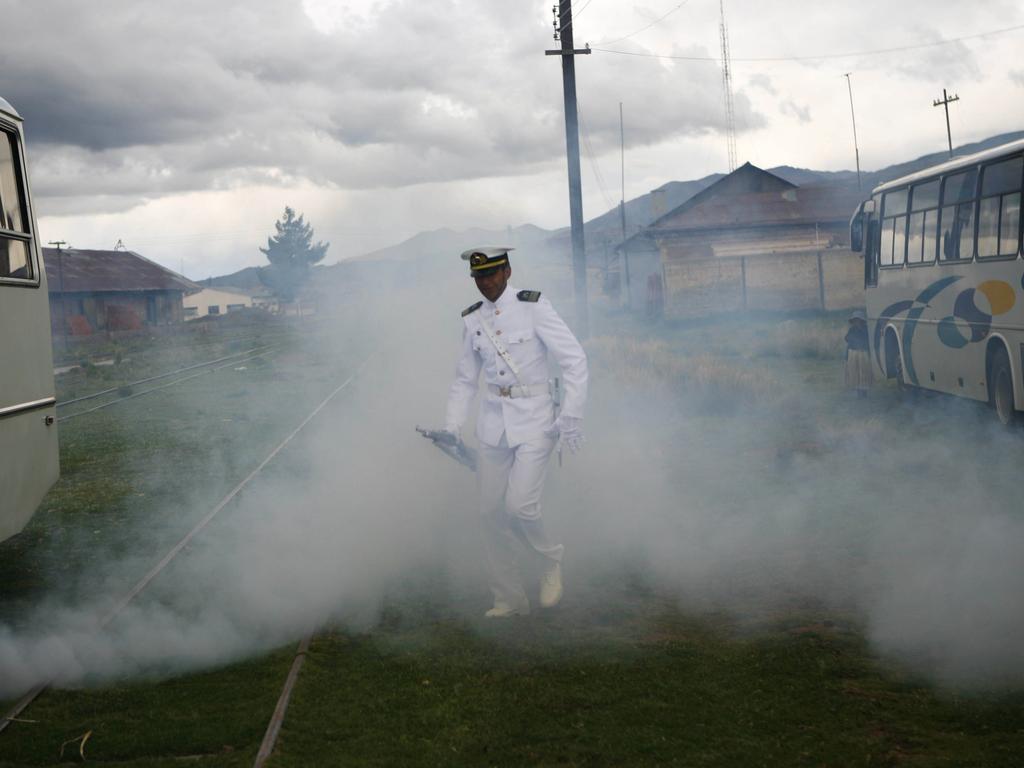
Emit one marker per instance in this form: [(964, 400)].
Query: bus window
[(894, 228), (924, 206), (14, 242), (885, 251), (999, 210), (956, 219)]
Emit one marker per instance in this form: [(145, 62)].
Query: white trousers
[(511, 481)]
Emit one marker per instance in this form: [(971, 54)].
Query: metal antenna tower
[(730, 115)]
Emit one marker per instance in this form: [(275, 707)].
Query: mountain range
[(607, 227)]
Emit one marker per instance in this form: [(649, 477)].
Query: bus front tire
[(1001, 388)]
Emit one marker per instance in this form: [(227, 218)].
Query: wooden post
[(743, 279), (821, 283)]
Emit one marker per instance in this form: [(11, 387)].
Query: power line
[(644, 29), (589, 150), (576, 15), (823, 56)]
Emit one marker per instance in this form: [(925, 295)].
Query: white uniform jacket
[(528, 330)]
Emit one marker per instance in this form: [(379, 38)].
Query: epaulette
[(472, 308), (528, 295)]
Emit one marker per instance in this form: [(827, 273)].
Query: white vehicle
[(28, 406), (943, 277)]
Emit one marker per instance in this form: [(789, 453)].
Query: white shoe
[(505, 611), (551, 586)]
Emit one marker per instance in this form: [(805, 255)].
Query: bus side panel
[(30, 466), (945, 316), (28, 444)]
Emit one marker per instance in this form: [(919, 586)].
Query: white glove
[(455, 432), (569, 430)]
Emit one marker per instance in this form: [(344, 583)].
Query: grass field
[(623, 673)]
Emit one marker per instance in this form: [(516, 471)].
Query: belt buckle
[(505, 391)]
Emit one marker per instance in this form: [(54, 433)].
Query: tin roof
[(89, 271), (798, 205)]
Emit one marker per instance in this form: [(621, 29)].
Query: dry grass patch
[(655, 364), (802, 338)]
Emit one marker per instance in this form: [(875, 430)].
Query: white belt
[(519, 390)]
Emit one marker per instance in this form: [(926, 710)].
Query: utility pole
[(853, 117), (563, 32), (63, 302), (945, 101), (622, 207)]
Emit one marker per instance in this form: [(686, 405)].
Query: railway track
[(103, 621), (205, 368)]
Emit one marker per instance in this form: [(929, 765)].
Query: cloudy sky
[(183, 128)]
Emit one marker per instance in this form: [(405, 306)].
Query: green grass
[(620, 674)]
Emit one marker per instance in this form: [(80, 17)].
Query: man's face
[(493, 285)]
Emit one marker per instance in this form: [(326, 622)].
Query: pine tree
[(291, 253)]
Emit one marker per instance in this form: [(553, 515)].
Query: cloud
[(162, 100), (792, 109), (764, 82)]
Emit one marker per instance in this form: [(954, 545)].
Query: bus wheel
[(894, 363), (1000, 385)]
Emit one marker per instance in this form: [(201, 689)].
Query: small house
[(119, 290)]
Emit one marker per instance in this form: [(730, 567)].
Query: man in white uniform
[(508, 336)]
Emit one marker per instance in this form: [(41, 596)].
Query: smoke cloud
[(902, 518)]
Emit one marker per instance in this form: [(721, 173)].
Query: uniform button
[(501, 373), (478, 333), (497, 311), (498, 332)]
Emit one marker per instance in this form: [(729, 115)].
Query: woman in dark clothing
[(858, 361)]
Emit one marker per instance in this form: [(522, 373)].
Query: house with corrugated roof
[(92, 290), (751, 240)]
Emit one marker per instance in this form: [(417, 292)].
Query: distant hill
[(607, 227), (642, 210), (449, 242), (247, 278)]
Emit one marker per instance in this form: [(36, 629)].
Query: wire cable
[(589, 150), (643, 29), (822, 56)]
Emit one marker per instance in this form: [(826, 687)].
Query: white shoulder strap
[(502, 352)]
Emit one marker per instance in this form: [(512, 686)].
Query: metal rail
[(132, 396), (277, 719), (134, 592), (33, 405), (94, 395)]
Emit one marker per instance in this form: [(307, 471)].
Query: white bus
[(28, 432), (943, 277)]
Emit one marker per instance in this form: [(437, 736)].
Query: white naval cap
[(486, 258)]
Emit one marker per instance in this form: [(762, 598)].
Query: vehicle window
[(931, 225), (15, 258), (1002, 177), (895, 203), (11, 214), (915, 238), (926, 196), (956, 223), (1000, 189), (959, 187), (1009, 224), (885, 250), (988, 227), (899, 239), (924, 201)]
